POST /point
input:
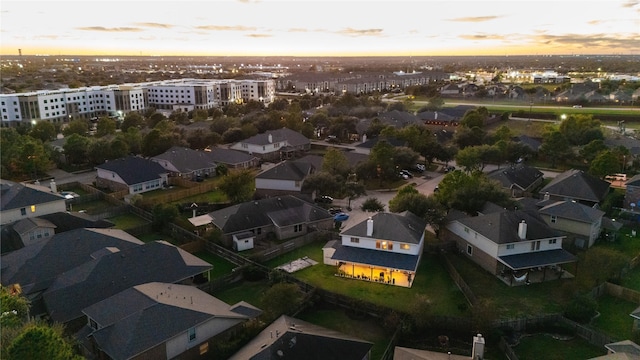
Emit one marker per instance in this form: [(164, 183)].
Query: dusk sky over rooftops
[(319, 28)]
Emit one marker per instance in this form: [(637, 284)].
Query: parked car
[(335, 210), (403, 175), (448, 169), (69, 194), (324, 199), (332, 139), (407, 172), (341, 217)]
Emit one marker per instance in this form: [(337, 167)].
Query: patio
[(375, 274), (533, 275)]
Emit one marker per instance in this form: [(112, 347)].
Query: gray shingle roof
[(292, 339), (279, 211), (574, 211), (144, 316), (520, 175), (35, 267), (134, 169), (502, 227), (29, 224), (369, 144), (404, 227), (537, 259), (293, 138), (186, 160), (230, 156), (14, 195), (287, 170), (97, 279), (577, 185)]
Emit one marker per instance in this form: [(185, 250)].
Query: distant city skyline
[(319, 28)]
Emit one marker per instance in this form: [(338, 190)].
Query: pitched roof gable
[(405, 227), (520, 175), (186, 160), (578, 185), (100, 278), (293, 138), (146, 315), (573, 210), (134, 169), (230, 156), (502, 227), (17, 195), (287, 170)]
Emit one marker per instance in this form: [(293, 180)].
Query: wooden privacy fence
[(457, 278)]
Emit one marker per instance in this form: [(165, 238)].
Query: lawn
[(214, 197), (127, 221), (538, 347), (632, 279), (431, 279), (220, 266), (92, 207), (365, 329), (516, 301), (614, 318), (249, 291), (625, 243), (155, 237)]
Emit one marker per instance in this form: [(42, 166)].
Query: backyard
[(614, 319), (538, 346)]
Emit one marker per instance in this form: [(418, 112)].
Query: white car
[(69, 194)]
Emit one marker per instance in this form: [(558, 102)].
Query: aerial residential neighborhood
[(325, 215)]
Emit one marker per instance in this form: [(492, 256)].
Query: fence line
[(506, 349), (457, 278)]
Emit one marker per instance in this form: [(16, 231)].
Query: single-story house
[(233, 159), (385, 248), (133, 173), (284, 178), (186, 163), (519, 179)]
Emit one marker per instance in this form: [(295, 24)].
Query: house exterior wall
[(589, 230), (372, 244), (35, 210), (274, 184), (110, 176), (522, 247), (472, 237), (36, 234), (180, 343), (477, 255)]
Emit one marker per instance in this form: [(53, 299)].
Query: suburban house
[(577, 185), (477, 352), (290, 338), (133, 173), (385, 248), (517, 245), (437, 117), (233, 159), (111, 270), (274, 145), (21, 200), (532, 143), (368, 144), (518, 179), (580, 223), (31, 230), (632, 194), (187, 163), (34, 267), (284, 178), (159, 320), (281, 217), (399, 119)]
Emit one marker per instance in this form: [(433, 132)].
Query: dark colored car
[(324, 199)]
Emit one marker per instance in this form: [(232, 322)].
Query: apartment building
[(64, 105)]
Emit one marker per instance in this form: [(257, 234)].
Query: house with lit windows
[(385, 248), (20, 201)]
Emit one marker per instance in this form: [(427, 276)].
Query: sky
[(319, 28)]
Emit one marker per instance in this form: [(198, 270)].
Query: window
[(510, 246), (553, 241), (404, 246), (554, 218), (93, 324), (466, 229), (469, 249), (192, 334), (204, 348), (297, 228), (23, 211), (355, 240), (535, 245)]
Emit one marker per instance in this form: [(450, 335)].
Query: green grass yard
[(127, 221), (220, 266), (249, 291), (543, 346), (614, 318)]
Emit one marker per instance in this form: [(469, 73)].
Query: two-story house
[(581, 223), (284, 178), (517, 245), (385, 248), (21, 200), (274, 145)]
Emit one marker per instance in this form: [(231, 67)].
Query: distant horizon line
[(318, 56)]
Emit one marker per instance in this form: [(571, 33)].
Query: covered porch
[(375, 274), (535, 267)]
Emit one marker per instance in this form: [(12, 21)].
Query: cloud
[(226, 28), (483, 37), (360, 32), (616, 41), (630, 3), (595, 22), (106, 29), (475, 19), (259, 35), (298, 30), (154, 25)]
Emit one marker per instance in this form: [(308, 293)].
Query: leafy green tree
[(43, 131), (239, 186), (156, 142), (382, 155), (41, 341), (465, 136), (105, 126), (580, 129), (98, 151), (473, 118), (118, 148), (469, 192), (222, 170), (470, 158), (555, 147), (232, 135), (75, 149), (279, 299), (164, 214), (132, 120), (605, 163), (372, 204), (133, 138), (155, 118), (335, 162), (322, 183), (80, 127), (14, 308)]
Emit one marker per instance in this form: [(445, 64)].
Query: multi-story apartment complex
[(60, 106)]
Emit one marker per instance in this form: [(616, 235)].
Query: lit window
[(33, 208), (404, 246), (204, 348)]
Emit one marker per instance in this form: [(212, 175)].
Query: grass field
[(127, 221), (614, 318), (249, 291), (220, 266), (543, 346)]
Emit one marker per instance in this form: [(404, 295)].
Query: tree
[(581, 129), (382, 156), (335, 162), (80, 127), (40, 341), (469, 192), (132, 120), (156, 142), (473, 118), (14, 308), (469, 159), (163, 214), (105, 126), (133, 138), (155, 118), (239, 186), (372, 205), (232, 135), (98, 151), (222, 170), (555, 147), (605, 163), (465, 136), (75, 149), (118, 148), (323, 183), (279, 299), (43, 131)]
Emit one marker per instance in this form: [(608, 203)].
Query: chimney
[(270, 138), (370, 227), (477, 353), (546, 196), (522, 230), (435, 115), (52, 185)]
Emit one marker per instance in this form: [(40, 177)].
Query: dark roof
[(230, 156), (574, 211), (281, 211), (17, 195), (186, 160), (288, 338), (404, 227), (134, 169), (369, 144), (577, 185), (634, 181), (287, 170), (377, 258), (399, 119), (29, 224), (353, 158), (144, 316), (97, 279), (537, 258), (436, 116), (502, 227), (611, 224), (532, 143), (65, 221), (521, 176), (293, 138), (35, 267)]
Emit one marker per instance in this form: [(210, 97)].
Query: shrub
[(581, 308)]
